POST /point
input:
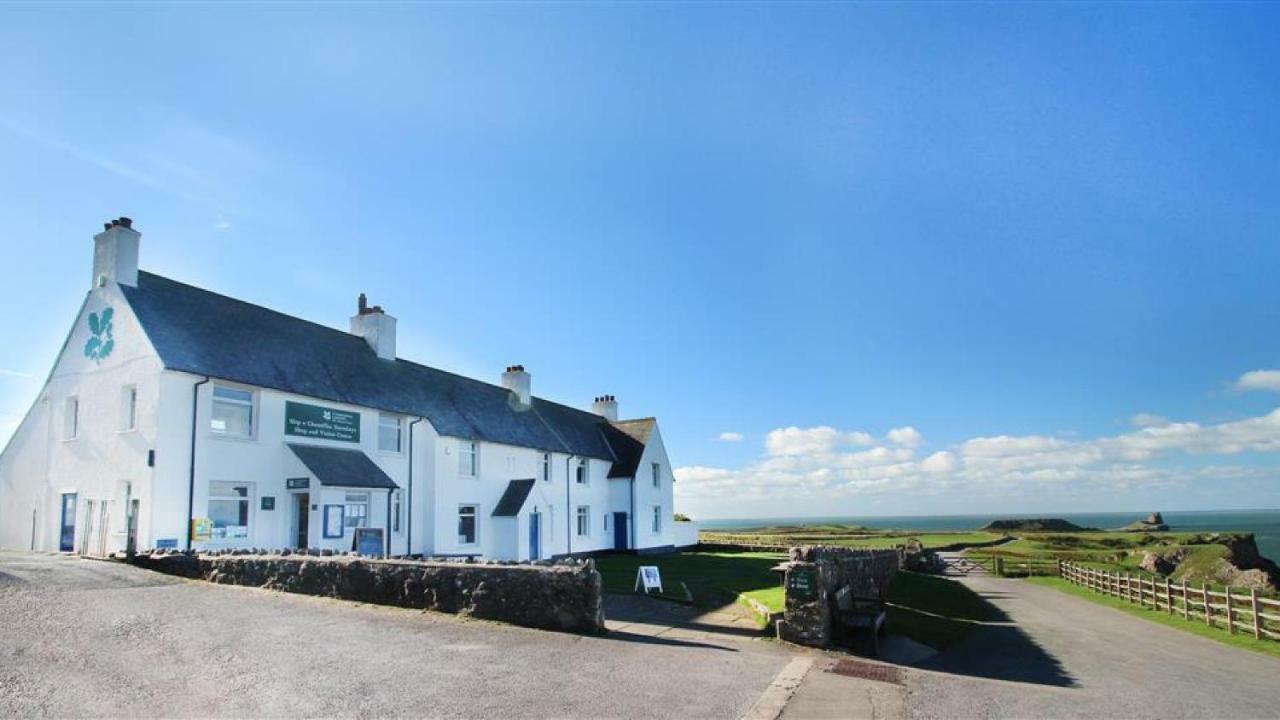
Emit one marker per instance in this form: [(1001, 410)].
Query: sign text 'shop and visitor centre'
[(177, 417)]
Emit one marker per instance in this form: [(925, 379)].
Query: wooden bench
[(856, 615)]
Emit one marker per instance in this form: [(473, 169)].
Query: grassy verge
[(935, 611), (714, 579), (1197, 627)]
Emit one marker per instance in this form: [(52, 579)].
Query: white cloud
[(1148, 420), (813, 441), (905, 436), (1259, 380), (222, 225), (940, 462), (6, 372), (729, 437)]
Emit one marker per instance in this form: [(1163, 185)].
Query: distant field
[(843, 536)]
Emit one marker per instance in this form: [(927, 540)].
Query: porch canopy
[(338, 467)]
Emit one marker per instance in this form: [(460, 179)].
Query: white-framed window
[(467, 524), (230, 504), (581, 475), (388, 432), (71, 418), (128, 407), (584, 520), (233, 410), (546, 467), (657, 474), (395, 511), (657, 519), (355, 511), (468, 458)]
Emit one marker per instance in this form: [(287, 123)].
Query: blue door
[(535, 536), (67, 540), (619, 531)]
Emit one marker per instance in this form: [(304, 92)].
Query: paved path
[(1068, 657)]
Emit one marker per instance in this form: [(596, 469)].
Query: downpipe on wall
[(191, 475)]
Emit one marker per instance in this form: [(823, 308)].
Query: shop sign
[(297, 483), (325, 423)]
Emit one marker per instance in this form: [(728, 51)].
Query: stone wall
[(562, 596), (815, 573)]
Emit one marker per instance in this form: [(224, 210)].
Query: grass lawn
[(934, 610), (1269, 647), (715, 579), (844, 536)]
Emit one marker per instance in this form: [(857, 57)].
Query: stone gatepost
[(807, 620)]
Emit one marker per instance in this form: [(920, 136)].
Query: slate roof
[(513, 498), (339, 467), (204, 333), (628, 438)]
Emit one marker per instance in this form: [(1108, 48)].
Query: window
[(657, 519), (546, 467), (606, 522), (582, 476), (128, 407), (468, 458), (232, 411), (71, 419), (657, 474), (229, 510), (388, 433), (584, 521), (467, 525), (395, 511), (356, 512)]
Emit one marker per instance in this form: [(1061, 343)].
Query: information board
[(802, 583), (325, 423), (367, 541), (648, 578)]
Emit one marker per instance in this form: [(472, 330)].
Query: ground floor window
[(356, 511), (584, 520), (657, 519), (467, 524), (229, 510)]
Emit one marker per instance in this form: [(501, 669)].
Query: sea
[(1264, 524)]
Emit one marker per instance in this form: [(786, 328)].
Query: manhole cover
[(867, 671)]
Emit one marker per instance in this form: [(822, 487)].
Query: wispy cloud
[(729, 437), (6, 372)]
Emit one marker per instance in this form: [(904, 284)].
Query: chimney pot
[(376, 327), (606, 406), (115, 253), (520, 384)]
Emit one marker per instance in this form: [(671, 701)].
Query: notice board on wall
[(367, 541)]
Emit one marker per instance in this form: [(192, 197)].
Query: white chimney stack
[(115, 253), (376, 327), (519, 383), (606, 406)]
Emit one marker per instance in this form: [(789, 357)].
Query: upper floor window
[(657, 474), (232, 411), (546, 467), (128, 407), (581, 475), (71, 419), (356, 512), (388, 432), (584, 520), (469, 458)]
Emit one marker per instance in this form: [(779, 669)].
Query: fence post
[(1208, 611), (1231, 621), (1257, 622), (1186, 604), (1168, 595)]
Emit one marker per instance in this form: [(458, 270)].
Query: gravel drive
[(1068, 657), (84, 637)]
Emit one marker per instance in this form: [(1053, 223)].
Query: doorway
[(535, 536), (301, 514), (67, 538), (619, 531)]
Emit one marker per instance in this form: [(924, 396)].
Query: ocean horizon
[(1264, 524)]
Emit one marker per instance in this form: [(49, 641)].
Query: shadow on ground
[(976, 638)]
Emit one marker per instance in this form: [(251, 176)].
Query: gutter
[(191, 477), (408, 546)]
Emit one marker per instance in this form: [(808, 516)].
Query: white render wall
[(103, 463)]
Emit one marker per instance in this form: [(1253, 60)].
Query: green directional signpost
[(325, 423)]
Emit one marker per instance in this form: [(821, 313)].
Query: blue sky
[(1010, 228)]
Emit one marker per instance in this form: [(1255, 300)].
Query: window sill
[(233, 438), (127, 431)]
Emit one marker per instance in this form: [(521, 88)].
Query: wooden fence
[(1238, 611)]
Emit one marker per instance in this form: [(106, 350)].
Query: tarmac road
[(85, 637), (1069, 658)]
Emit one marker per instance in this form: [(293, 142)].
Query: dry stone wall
[(564, 596), (815, 573)]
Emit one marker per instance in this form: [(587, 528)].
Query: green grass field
[(843, 536), (715, 579), (1197, 627), (934, 610)]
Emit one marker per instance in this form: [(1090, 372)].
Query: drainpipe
[(387, 523), (408, 512), (191, 477), (568, 508)]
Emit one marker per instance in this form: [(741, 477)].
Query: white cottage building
[(177, 417)]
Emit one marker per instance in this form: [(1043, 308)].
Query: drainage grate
[(867, 671)]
